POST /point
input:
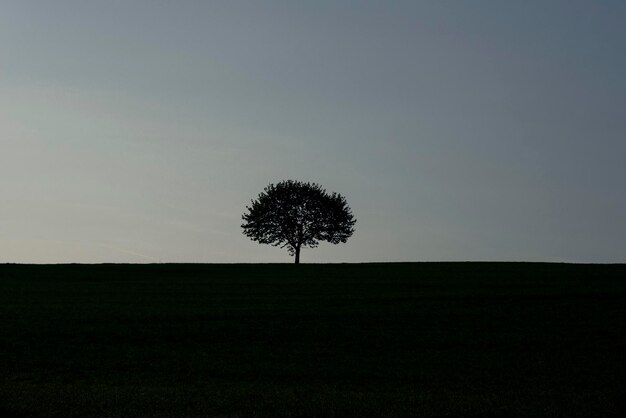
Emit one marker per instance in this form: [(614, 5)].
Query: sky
[(483, 130)]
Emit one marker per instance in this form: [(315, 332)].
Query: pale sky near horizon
[(138, 131)]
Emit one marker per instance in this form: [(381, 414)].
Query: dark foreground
[(436, 339)]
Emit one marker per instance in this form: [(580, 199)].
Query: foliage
[(294, 214)]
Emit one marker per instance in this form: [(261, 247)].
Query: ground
[(425, 339)]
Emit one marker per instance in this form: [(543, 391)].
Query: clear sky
[(138, 131)]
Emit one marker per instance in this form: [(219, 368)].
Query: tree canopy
[(295, 214)]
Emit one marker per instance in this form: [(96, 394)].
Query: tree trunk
[(298, 255)]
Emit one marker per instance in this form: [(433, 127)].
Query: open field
[(431, 339)]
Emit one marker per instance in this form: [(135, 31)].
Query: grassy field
[(431, 339)]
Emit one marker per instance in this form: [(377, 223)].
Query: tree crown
[(293, 214)]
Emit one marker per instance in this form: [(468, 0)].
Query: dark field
[(433, 339)]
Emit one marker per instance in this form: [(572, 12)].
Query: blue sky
[(137, 131)]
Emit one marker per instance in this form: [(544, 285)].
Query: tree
[(295, 214)]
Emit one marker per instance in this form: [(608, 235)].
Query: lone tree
[(294, 214)]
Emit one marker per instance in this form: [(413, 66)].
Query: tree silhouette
[(294, 214)]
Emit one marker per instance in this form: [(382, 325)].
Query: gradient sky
[(138, 131)]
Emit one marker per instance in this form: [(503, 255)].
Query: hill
[(430, 339)]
